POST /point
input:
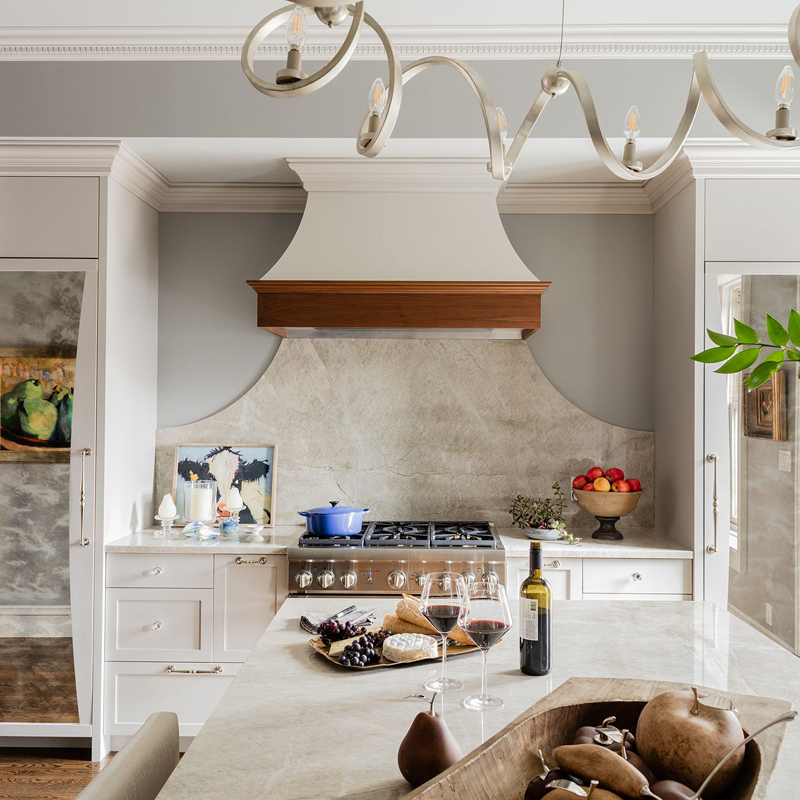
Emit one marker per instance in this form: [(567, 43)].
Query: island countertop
[(293, 725)]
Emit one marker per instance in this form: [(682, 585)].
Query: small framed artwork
[(37, 386), (250, 468), (765, 409)]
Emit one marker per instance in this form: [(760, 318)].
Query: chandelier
[(384, 100)]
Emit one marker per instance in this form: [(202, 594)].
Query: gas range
[(394, 556)]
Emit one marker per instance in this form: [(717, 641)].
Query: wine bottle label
[(529, 619)]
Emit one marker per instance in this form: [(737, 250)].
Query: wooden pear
[(672, 790), (537, 788), (428, 748), (681, 739)]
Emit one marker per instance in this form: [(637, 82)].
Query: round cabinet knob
[(469, 577), (396, 579), (553, 564), (158, 570), (637, 576), (420, 579), (491, 577), (325, 579), (348, 579), (303, 579), (157, 626)]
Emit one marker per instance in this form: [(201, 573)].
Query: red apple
[(579, 482), (614, 474), (594, 473), (589, 487), (602, 485), (635, 485), (620, 486)]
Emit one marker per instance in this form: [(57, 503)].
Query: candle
[(201, 501), (167, 508), (234, 500)]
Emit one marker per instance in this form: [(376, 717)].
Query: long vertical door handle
[(85, 453), (712, 459)]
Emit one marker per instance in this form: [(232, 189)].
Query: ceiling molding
[(140, 178), (574, 198), (57, 156), (239, 198), (496, 42)]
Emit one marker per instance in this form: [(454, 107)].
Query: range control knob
[(490, 576), (469, 577), (303, 578), (348, 579), (445, 584), (325, 579), (396, 579), (420, 579)]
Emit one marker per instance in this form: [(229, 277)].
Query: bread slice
[(408, 610), (393, 623)]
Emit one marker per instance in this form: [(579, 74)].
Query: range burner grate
[(462, 535), (398, 534), (314, 540)]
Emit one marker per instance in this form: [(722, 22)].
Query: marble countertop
[(638, 543), (292, 725)]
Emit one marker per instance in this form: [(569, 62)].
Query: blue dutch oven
[(334, 520)]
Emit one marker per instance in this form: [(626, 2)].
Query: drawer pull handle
[(553, 564), (262, 560), (158, 570), (157, 626), (712, 459), (172, 671), (637, 576)]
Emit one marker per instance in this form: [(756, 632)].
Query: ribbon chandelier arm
[(378, 124)]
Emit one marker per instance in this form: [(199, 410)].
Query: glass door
[(755, 436), (47, 389)]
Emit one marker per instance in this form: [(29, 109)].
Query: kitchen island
[(293, 725)]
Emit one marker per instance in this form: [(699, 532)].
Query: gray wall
[(595, 345), (37, 309)]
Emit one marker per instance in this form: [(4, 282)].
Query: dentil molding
[(472, 42)]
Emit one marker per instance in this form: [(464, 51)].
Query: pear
[(9, 412), (59, 393), (672, 790), (29, 388), (37, 418), (64, 429), (428, 748)]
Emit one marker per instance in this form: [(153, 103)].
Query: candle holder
[(230, 525), (166, 531), (199, 508)]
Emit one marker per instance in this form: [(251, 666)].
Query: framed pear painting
[(37, 386)]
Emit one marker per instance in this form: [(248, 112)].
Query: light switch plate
[(785, 460), (768, 614)]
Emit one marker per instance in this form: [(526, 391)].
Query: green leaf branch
[(784, 341)]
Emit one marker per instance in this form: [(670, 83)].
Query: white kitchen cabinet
[(631, 596), (49, 217), (248, 591), (159, 570), (159, 624), (642, 576), (134, 690), (563, 574)]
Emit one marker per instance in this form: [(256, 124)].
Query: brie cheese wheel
[(410, 647)]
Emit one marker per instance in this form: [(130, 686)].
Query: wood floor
[(45, 774), (37, 680)]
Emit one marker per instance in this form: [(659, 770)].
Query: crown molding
[(140, 178), (496, 42), (239, 198), (57, 156), (574, 198)]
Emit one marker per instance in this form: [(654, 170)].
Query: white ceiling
[(452, 13), (264, 160)]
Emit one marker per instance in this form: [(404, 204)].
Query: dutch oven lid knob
[(334, 503)]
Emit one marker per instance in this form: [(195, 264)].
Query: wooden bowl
[(607, 504), (506, 763)]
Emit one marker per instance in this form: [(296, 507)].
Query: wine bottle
[(535, 622)]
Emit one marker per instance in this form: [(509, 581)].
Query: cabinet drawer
[(173, 571), (637, 597), (637, 576), (45, 217), (563, 575), (133, 691), (159, 624)]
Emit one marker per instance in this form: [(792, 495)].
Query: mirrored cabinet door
[(48, 344)]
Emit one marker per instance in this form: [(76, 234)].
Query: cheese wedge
[(409, 647)]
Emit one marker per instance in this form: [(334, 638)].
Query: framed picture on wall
[(37, 386), (765, 409), (250, 468)]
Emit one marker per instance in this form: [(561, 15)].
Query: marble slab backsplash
[(417, 429)]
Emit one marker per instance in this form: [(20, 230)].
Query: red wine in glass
[(486, 632), (443, 617)]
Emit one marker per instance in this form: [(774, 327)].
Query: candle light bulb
[(501, 121), (234, 501), (632, 124), (784, 88), (167, 507), (377, 98), (297, 29)]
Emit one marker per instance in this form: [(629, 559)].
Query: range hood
[(399, 248)]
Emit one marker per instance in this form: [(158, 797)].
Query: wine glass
[(443, 602), (485, 620)]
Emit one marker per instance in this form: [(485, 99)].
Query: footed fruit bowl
[(607, 507)]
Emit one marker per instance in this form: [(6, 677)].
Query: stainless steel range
[(391, 557)]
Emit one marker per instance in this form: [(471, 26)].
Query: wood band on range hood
[(402, 305)]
